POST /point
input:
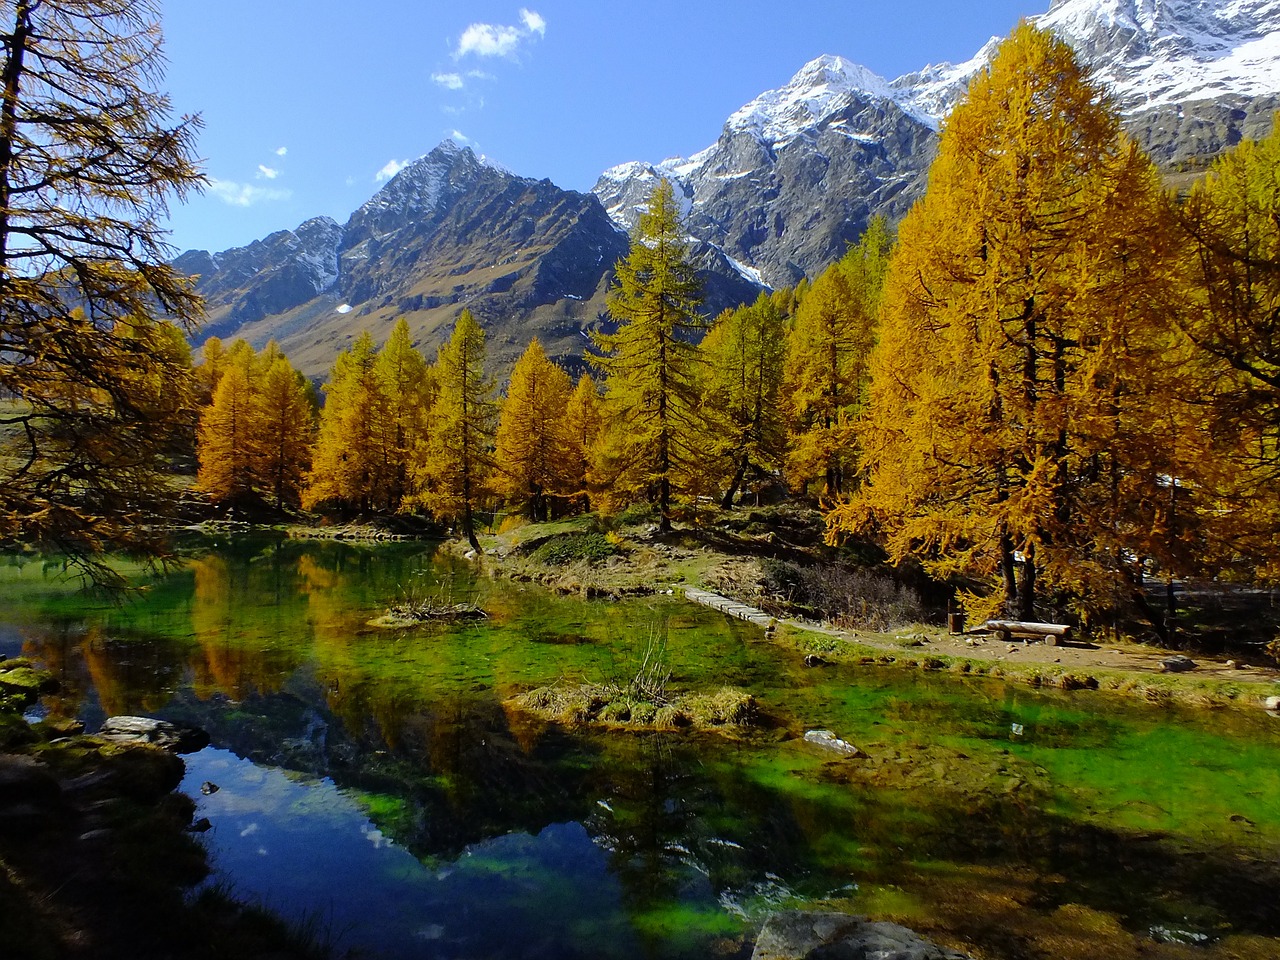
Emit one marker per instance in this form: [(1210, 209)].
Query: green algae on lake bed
[(984, 813)]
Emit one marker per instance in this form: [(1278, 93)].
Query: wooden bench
[(1051, 633)]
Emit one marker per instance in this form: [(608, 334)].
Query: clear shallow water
[(374, 784)]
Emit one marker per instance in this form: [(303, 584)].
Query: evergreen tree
[(456, 458), (826, 373), (531, 455), (650, 364), (1020, 398), (746, 354), (88, 158)]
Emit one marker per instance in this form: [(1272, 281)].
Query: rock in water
[(161, 733), (829, 741), (799, 935)]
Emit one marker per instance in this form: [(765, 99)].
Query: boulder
[(800, 935), (1271, 703), (160, 733), (1177, 664)]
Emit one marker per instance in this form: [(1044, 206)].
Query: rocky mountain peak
[(822, 87), (1155, 52)]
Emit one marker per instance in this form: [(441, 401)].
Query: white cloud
[(460, 138), (281, 151), (499, 40), (345, 308), (245, 194), (450, 81), (267, 172), (391, 168), (488, 40), (533, 22)]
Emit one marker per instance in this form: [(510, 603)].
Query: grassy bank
[(743, 556)]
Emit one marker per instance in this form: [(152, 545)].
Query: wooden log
[(1050, 632)]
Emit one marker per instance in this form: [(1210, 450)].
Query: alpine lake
[(376, 783)]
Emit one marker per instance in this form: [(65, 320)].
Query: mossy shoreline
[(617, 706), (639, 562)]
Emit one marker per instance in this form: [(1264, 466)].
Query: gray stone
[(1177, 664), (1271, 703), (800, 935), (161, 733), (829, 741)]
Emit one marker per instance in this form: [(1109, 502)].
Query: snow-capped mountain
[(791, 180), (797, 171), (1158, 52), (795, 174), (449, 230)]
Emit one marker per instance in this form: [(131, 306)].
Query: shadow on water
[(1025, 823)]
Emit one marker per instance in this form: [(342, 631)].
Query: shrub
[(851, 597), (567, 548)]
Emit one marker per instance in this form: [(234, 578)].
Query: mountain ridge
[(790, 182)]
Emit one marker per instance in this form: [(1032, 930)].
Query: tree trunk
[(726, 502), (13, 71), (1009, 573), (1027, 585)]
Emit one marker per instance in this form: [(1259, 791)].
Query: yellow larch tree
[(826, 369), (405, 394), (746, 355), (228, 439), (285, 424), (455, 461), (1023, 387), (1230, 223), (532, 456), (651, 366), (90, 154), (582, 425), (345, 465)]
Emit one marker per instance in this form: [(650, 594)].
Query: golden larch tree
[(405, 390), (531, 455), (1024, 345), (89, 157), (650, 363), (826, 367), (228, 440), (583, 423), (746, 354), (285, 421), (345, 465), (455, 462), (1230, 223)]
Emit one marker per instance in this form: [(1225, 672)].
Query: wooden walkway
[(732, 607)]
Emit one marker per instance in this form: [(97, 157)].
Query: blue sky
[(307, 103)]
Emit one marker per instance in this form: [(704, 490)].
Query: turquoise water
[(378, 785)]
